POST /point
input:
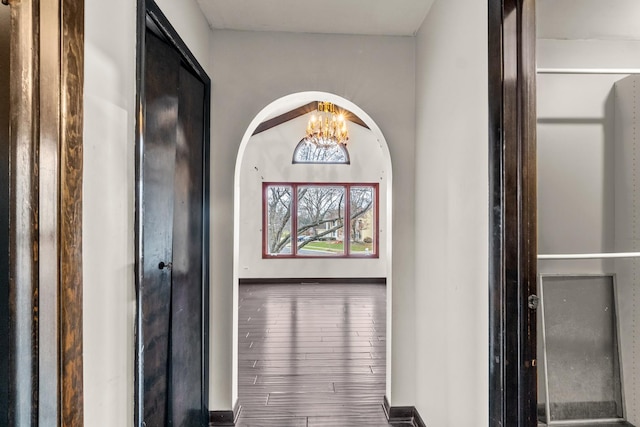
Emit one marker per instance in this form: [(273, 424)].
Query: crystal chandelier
[(326, 128)]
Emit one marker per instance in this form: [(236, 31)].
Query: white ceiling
[(368, 17)]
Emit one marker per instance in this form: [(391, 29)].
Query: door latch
[(164, 265), (533, 301)]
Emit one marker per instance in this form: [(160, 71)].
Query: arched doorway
[(266, 157)]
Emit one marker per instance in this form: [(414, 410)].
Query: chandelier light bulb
[(328, 129)]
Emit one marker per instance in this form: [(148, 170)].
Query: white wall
[(627, 236), (267, 158), (575, 169), (588, 19), (585, 186), (451, 242), (584, 162), (589, 34), (249, 71), (576, 122), (108, 208)]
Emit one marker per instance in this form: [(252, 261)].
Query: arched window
[(308, 152)]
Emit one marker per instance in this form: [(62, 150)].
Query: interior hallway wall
[(4, 213), (249, 71), (109, 200), (452, 203)]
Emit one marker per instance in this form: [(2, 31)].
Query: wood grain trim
[(225, 418), (221, 419), (529, 210), (283, 118), (402, 414), (23, 218), (71, 145), (497, 402), (512, 234), (46, 172), (48, 218), (301, 111)]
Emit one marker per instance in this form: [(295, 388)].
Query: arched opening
[(265, 156)]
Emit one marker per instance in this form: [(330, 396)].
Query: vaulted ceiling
[(367, 17)]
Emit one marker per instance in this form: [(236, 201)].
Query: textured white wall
[(451, 242), (249, 71), (188, 20), (108, 208)]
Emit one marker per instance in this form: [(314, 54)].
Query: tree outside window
[(315, 220)]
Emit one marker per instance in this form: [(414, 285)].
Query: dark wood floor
[(620, 424), (312, 355)]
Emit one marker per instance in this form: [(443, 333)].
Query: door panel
[(171, 301), (161, 98), (186, 307)]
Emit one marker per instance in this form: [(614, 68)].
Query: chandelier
[(326, 128)]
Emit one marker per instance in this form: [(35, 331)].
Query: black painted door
[(186, 302), (171, 287)]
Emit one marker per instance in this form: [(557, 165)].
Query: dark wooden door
[(170, 328), (186, 302)]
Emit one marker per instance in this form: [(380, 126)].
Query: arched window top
[(308, 152)]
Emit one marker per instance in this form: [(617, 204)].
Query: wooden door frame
[(148, 9), (45, 233), (512, 214)]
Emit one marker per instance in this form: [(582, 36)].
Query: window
[(308, 152), (308, 220)]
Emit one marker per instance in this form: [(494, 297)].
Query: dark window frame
[(294, 219)]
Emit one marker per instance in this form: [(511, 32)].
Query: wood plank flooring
[(620, 424), (312, 355)]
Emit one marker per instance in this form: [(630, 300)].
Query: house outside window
[(303, 220)]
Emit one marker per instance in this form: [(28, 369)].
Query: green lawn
[(338, 246)]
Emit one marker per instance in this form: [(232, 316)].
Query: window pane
[(363, 221), (320, 220), (308, 152), (279, 219)]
